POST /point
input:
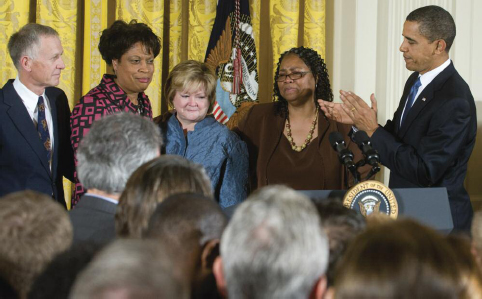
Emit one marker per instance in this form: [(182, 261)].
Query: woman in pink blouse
[(130, 49)]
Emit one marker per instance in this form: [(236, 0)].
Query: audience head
[(190, 77), (398, 259), (33, 230), (471, 274), (477, 237), (130, 269), (6, 290), (434, 23), (317, 67), (191, 226), (57, 279), (150, 184), (114, 148), (273, 247), (341, 225)]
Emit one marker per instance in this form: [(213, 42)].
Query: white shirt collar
[(29, 98), (103, 197), (428, 77)]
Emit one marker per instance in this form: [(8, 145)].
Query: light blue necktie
[(411, 99)]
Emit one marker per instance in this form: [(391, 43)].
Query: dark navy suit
[(23, 159), (93, 219), (434, 143)]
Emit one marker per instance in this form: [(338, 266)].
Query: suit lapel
[(53, 110), (24, 124), (425, 97), (403, 100)]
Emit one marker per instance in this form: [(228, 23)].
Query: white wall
[(366, 35)]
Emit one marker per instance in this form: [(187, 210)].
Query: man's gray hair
[(26, 41), (114, 148), (134, 268), (274, 246)]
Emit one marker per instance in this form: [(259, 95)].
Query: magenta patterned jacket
[(104, 99)]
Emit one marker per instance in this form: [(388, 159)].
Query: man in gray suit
[(114, 148)]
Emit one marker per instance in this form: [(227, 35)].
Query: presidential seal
[(371, 197)]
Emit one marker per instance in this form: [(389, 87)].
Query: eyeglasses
[(293, 76)]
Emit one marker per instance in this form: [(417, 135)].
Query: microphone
[(363, 141), (344, 154)]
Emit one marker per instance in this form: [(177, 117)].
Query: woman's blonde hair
[(191, 75)]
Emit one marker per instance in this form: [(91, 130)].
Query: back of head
[(114, 148), (476, 231), (398, 259), (26, 41), (434, 23), (274, 246), (151, 184), (190, 226), (33, 229), (186, 220), (341, 225), (470, 273), (130, 269), (59, 276)]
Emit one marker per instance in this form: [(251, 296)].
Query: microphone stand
[(375, 168)]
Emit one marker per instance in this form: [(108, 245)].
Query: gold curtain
[(184, 27)]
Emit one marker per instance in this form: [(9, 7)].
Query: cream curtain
[(184, 27)]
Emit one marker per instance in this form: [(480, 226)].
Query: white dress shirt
[(30, 100), (425, 80)]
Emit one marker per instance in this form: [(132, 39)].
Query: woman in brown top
[(288, 139)]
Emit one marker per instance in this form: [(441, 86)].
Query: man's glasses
[(293, 76)]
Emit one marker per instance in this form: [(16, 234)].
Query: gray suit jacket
[(93, 220)]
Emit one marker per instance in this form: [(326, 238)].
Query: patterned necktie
[(43, 128), (411, 99)]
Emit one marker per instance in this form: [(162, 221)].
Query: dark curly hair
[(116, 40), (317, 67)]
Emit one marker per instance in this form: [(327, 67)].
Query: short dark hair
[(341, 225), (116, 40), (399, 259), (182, 217), (434, 23), (26, 41), (59, 276), (317, 66)]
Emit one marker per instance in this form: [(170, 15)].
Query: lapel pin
[(423, 99)]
